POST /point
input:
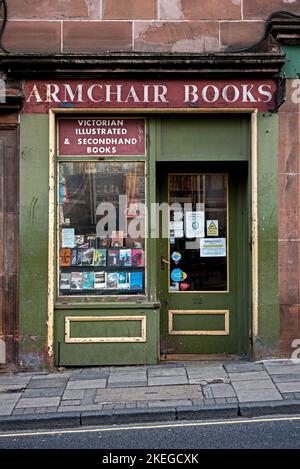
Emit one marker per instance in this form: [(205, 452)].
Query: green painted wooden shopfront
[(191, 152)]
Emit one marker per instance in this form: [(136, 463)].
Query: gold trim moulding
[(171, 313), (96, 340)]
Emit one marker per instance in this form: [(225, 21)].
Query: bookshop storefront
[(146, 245)]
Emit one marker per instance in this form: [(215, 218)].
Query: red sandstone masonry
[(200, 9), (54, 9), (129, 9), (240, 34), (176, 36), (97, 36), (261, 9), (32, 36)]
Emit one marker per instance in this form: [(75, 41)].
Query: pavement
[(166, 392)]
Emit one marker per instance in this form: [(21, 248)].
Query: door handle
[(163, 263)]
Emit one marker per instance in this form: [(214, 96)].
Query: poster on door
[(194, 224), (213, 247)]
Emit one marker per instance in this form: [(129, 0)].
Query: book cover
[(76, 281), (103, 242), (88, 280), (123, 281), (112, 280), (65, 257), (125, 257), (65, 281), (113, 258), (79, 240), (136, 281), (100, 257), (73, 256), (117, 238), (88, 256), (92, 240), (137, 257), (100, 280)]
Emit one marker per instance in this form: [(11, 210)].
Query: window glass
[(198, 232), (101, 219)]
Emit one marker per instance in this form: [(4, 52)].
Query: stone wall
[(83, 26)]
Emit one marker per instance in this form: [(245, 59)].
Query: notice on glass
[(213, 247), (212, 228), (194, 224), (68, 238)]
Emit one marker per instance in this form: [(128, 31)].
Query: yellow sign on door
[(212, 228)]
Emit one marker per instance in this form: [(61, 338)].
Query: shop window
[(101, 228)]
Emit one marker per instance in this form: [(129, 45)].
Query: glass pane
[(198, 232), (101, 228)]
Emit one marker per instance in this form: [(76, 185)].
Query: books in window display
[(123, 281), (65, 257), (88, 281), (137, 257), (136, 281), (65, 281), (112, 280), (125, 257), (100, 280), (76, 258), (88, 256), (113, 258), (99, 257), (76, 281)]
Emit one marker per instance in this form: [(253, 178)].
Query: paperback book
[(76, 281), (136, 281), (65, 281), (112, 280), (125, 257), (123, 281), (76, 258), (113, 258), (100, 257), (100, 280), (137, 257), (65, 257), (88, 280), (88, 256)]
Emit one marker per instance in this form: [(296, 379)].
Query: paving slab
[(12, 387), (286, 377), (283, 369), (73, 402), (38, 402), (243, 367), (89, 376), (222, 390), (6, 408), (44, 392), (289, 387), (9, 397), (47, 383), (82, 408), (157, 372), (73, 394), (206, 373), (249, 376), (259, 384), (87, 384), (257, 395), (127, 380), (167, 380), (150, 393)]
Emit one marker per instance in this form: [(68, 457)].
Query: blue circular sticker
[(176, 257), (177, 275)]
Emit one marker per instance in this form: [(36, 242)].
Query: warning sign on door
[(212, 227)]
